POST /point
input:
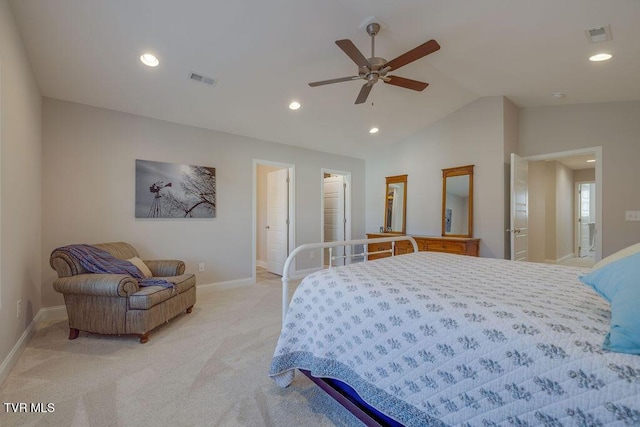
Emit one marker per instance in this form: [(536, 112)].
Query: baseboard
[(44, 316), (564, 258), (229, 283), (262, 264)]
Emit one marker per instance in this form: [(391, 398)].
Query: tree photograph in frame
[(170, 190)]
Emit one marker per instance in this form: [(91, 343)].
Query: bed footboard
[(308, 246)]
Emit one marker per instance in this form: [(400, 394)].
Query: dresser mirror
[(457, 201), (395, 204)]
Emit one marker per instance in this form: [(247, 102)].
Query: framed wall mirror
[(395, 204), (457, 201)]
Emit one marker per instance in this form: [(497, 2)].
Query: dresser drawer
[(451, 247), (375, 247)]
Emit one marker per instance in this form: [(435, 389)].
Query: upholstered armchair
[(116, 303)]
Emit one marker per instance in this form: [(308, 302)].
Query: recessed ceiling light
[(374, 130), (591, 161), (600, 57), (558, 95), (294, 105), (149, 60)]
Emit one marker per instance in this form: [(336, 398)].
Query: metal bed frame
[(362, 412)]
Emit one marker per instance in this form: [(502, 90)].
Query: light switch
[(632, 216)]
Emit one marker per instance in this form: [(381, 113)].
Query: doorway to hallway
[(274, 215)]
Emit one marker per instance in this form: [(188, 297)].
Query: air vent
[(196, 77), (599, 34)]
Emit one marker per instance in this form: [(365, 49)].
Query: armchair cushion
[(150, 296)]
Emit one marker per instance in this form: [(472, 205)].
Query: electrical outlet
[(632, 216), (201, 267), (312, 254), (18, 308)]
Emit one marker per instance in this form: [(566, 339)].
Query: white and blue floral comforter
[(437, 339)]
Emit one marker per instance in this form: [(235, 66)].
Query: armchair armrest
[(111, 285), (165, 267)]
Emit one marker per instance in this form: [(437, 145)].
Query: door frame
[(254, 205), (597, 151), (347, 209)]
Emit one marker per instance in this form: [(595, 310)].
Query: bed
[(431, 338)]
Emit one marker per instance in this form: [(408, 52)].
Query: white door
[(335, 215), (277, 220), (519, 208)]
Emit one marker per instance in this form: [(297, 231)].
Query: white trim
[(598, 154), (229, 283), (44, 316), (51, 314), (261, 263), (254, 208)]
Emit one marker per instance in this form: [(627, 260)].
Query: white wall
[(20, 186), (89, 179), (475, 135), (615, 127)]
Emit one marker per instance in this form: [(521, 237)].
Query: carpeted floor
[(207, 368)]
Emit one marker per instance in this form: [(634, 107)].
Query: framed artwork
[(170, 190)]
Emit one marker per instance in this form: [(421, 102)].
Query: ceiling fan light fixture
[(294, 105), (600, 57), (374, 130), (149, 60)]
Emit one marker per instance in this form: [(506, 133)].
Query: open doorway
[(585, 220), (554, 208), (336, 214), (274, 220)]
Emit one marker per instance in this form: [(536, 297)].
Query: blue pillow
[(619, 283)]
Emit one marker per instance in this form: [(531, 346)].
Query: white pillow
[(141, 266), (623, 253)]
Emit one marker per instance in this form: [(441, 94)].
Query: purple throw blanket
[(98, 260)]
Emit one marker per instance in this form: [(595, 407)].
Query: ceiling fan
[(375, 68)]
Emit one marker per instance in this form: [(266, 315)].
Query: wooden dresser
[(453, 245)]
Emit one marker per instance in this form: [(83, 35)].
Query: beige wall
[(551, 211), (615, 127), (537, 211), (20, 186), (474, 134), (89, 179), (584, 175), (565, 200)]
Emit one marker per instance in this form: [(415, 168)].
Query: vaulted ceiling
[(263, 54)]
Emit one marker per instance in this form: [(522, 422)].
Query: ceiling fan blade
[(328, 82), (352, 51), (412, 55), (364, 93), (406, 83)]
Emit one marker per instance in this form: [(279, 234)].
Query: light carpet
[(207, 368)]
